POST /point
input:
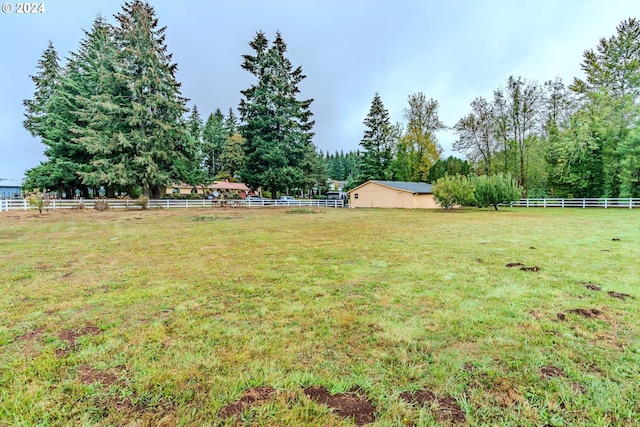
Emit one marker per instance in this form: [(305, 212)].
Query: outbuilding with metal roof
[(392, 194)]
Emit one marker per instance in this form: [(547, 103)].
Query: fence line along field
[(315, 316)]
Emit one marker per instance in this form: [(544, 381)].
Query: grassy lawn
[(244, 316)]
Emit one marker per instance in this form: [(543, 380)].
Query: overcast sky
[(452, 50)]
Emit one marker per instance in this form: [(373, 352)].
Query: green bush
[(495, 190), (453, 190)]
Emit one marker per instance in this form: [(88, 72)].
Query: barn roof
[(412, 187)]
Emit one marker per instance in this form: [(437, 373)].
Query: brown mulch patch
[(551, 371), (250, 397), (448, 409), (346, 405), (619, 295), (584, 312), (32, 335), (89, 375), (514, 264)]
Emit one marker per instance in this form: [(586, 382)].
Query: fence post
[(605, 203), (630, 203), (584, 203), (562, 200)]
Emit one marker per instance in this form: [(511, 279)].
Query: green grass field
[(238, 316)]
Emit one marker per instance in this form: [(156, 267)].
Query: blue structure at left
[(10, 189)]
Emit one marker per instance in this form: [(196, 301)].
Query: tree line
[(113, 120), (580, 140)]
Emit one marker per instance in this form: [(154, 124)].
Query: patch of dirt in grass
[(586, 312), (89, 375), (32, 335), (616, 239), (551, 371), (536, 314), (447, 410), (503, 393), (250, 397), (71, 336), (619, 295), (534, 268), (422, 397), (591, 286), (214, 218), (346, 405), (514, 264)]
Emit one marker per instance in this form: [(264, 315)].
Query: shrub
[(101, 205), (450, 191), (143, 202), (496, 189)]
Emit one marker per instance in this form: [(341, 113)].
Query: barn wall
[(372, 195)]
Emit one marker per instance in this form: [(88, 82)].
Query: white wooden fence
[(52, 204), (605, 203)]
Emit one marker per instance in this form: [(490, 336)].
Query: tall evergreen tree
[(377, 143), (152, 147), (277, 126), (231, 123), (38, 118), (214, 134)]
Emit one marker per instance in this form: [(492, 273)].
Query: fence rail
[(605, 203), (53, 204)]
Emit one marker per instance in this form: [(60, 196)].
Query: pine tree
[(230, 123), (377, 143), (153, 134), (215, 134), (93, 95), (38, 119), (276, 125)]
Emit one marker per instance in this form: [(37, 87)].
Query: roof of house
[(10, 183), (217, 185), (412, 187)]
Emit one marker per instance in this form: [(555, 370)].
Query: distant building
[(10, 189), (392, 194), (223, 188), (335, 185)]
